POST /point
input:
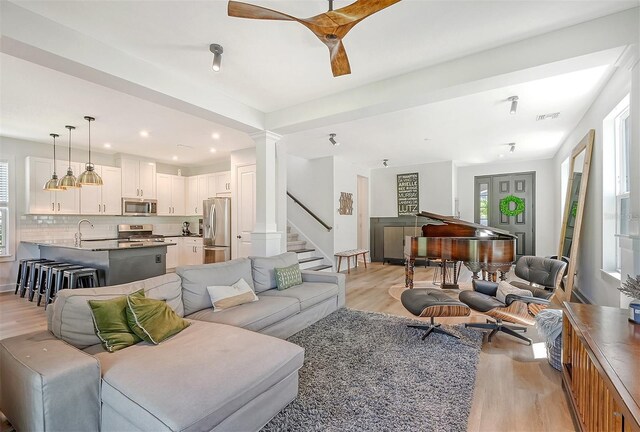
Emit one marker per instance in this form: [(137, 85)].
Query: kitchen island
[(117, 262)]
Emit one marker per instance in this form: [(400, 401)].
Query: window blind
[(4, 184)]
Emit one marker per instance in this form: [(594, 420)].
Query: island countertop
[(98, 245)]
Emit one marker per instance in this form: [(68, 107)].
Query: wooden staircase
[(307, 258)]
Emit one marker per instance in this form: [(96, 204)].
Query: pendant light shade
[(89, 177), (69, 181), (52, 184)]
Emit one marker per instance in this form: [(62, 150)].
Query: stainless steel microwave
[(139, 207)]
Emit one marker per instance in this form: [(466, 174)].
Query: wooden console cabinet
[(601, 367)]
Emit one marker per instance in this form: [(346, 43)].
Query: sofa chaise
[(227, 371)]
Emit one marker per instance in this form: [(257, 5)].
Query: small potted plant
[(632, 288)]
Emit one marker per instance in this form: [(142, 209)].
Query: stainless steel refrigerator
[(216, 229)]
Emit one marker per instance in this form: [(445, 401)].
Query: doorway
[(362, 205), (245, 208), (519, 189)]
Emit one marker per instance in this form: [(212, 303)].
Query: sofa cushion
[(152, 320), (196, 279), (110, 321), (217, 375), (71, 318), (308, 294), (264, 275), (252, 316)]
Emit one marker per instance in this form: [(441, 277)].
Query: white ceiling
[(271, 65), (48, 100), (469, 130)]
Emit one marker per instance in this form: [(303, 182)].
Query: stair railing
[(313, 215)]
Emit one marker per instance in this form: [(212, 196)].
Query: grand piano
[(480, 248)]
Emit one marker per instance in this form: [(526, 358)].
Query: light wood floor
[(514, 391)]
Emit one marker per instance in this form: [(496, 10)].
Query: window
[(615, 184), (622, 143), (4, 209)]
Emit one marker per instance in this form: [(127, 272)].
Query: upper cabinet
[(138, 178), (39, 201), (170, 194), (199, 188), (223, 182), (106, 199)]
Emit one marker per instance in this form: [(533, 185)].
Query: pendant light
[(52, 184), (89, 177), (69, 181)]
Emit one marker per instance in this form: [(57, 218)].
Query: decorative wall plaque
[(346, 203), (408, 194)]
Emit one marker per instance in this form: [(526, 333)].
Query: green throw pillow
[(152, 320), (110, 322), (288, 276)]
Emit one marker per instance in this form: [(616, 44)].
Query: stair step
[(296, 245), (299, 251), (292, 237), (306, 260), (320, 267)]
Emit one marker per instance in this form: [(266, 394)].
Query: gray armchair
[(545, 273)]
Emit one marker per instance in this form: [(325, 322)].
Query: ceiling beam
[(37, 39), (577, 47)]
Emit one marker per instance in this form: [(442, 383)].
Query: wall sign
[(408, 194)]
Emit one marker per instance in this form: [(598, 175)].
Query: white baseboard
[(7, 288)]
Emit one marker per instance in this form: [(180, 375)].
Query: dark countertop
[(98, 245), (180, 235)]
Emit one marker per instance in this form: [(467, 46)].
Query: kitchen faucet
[(79, 234)]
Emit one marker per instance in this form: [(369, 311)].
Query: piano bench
[(432, 303)]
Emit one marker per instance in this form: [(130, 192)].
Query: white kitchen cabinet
[(138, 178), (170, 194), (191, 251), (106, 199), (203, 190), (173, 252), (223, 182), (39, 201), (192, 205)]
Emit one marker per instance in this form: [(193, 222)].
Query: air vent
[(554, 115)]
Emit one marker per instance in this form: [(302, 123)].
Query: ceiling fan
[(330, 27)]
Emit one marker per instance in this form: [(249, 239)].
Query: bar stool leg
[(94, 280), (18, 279)]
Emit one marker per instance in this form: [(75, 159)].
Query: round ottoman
[(432, 302)]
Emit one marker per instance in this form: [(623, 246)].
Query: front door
[(507, 202), (246, 208)]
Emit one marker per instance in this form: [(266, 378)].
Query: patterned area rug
[(367, 371)]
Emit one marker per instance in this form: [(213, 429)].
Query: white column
[(266, 239)]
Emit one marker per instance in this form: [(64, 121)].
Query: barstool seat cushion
[(432, 302)]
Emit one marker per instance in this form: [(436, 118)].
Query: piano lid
[(449, 220)]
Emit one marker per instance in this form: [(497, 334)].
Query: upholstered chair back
[(541, 271)]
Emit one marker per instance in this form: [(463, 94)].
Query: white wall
[(592, 283), (546, 214), (345, 227), (435, 182)]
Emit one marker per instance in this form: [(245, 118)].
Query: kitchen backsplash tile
[(41, 227)]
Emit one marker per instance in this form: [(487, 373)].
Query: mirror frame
[(585, 144)]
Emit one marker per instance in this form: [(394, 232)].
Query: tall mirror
[(573, 211)]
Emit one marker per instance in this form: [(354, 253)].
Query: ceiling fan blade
[(356, 12), (246, 10), (339, 60)]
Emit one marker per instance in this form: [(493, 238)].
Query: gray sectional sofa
[(225, 372)]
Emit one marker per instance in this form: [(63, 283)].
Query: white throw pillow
[(225, 297), (505, 288)]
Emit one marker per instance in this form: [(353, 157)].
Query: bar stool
[(54, 280), (21, 280), (47, 279), (37, 283), (31, 277), (78, 278)]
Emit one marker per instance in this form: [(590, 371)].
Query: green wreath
[(505, 205)]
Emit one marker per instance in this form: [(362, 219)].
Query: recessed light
[(175, 158), (212, 150), (144, 133), (501, 155), (215, 135), (107, 145)]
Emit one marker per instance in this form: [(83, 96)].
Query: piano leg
[(455, 272), (409, 268)]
